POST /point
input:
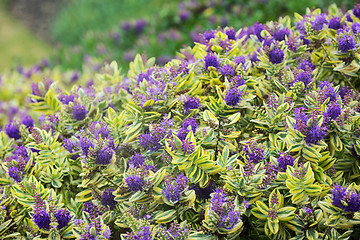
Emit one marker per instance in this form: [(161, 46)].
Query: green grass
[(80, 16), (17, 44)]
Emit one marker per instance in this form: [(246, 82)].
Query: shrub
[(161, 153)]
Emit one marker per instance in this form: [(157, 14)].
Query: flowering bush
[(252, 134)]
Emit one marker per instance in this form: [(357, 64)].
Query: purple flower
[(344, 91), (227, 70), (143, 234), (79, 113), (140, 25), (134, 183), (92, 209), (28, 121), (240, 59), (319, 22), (335, 23), (355, 28), (85, 144), (184, 129), (346, 43), (14, 173), (257, 30), (108, 199), (184, 15), (41, 219), (174, 190), (104, 156), (280, 34), (233, 96), (209, 34), (62, 217), (333, 111), (315, 134), (254, 154), (276, 56), (136, 161), (356, 10), (187, 147), (126, 26), (285, 160), (191, 103), (66, 99), (231, 33), (12, 131), (304, 77), (149, 142), (346, 199), (211, 61)]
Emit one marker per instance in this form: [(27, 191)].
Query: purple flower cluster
[(79, 112), (42, 219), (276, 56), (108, 199), (173, 190), (134, 183), (211, 61), (191, 103), (104, 156), (346, 43), (233, 96), (62, 217), (222, 209), (12, 131), (346, 199), (143, 234), (253, 153), (184, 130), (285, 160)]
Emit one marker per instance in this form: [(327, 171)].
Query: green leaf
[(165, 217)]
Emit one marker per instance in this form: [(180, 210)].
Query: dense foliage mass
[(252, 134), (159, 34)]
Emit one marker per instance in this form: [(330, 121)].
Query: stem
[(326, 232), (313, 212), (110, 181)]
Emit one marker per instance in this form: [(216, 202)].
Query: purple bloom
[(184, 15), (356, 10), (227, 71), (108, 199), (209, 34), (126, 26), (140, 25), (137, 160), (231, 33), (14, 173), (149, 142), (28, 121), (254, 154), (134, 183), (276, 56), (143, 234), (191, 103), (187, 147), (335, 23), (344, 91), (346, 199), (355, 28), (85, 144), (42, 219), (280, 34), (12, 131), (63, 218), (79, 113), (92, 209), (240, 59), (211, 61), (315, 134), (174, 190), (104, 156), (285, 160), (319, 22), (257, 30), (333, 111), (66, 99), (233, 96), (304, 77), (184, 129), (346, 43)]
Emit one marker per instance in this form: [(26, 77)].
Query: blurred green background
[(69, 32)]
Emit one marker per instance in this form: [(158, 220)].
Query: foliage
[(252, 134)]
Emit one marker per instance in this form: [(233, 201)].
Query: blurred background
[(69, 33)]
